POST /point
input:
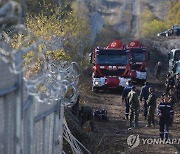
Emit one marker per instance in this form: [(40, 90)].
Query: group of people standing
[(148, 100), (172, 84), (172, 81)]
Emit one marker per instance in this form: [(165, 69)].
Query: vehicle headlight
[(126, 82), (96, 82)]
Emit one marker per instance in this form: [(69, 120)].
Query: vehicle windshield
[(138, 57), (177, 55), (112, 59)]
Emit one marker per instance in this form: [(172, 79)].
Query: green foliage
[(55, 22), (43, 26), (76, 29), (174, 14), (147, 15), (151, 25), (65, 24), (57, 55)]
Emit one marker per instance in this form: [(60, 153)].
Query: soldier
[(177, 87), (75, 107), (85, 115), (151, 102), (165, 113), (158, 69), (144, 96), (172, 101), (170, 82), (134, 106), (172, 97), (125, 92)]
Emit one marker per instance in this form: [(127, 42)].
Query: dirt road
[(111, 137)]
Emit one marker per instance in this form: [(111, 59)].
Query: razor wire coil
[(46, 79)]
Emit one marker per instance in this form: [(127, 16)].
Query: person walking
[(143, 98), (86, 115), (165, 113), (172, 101), (125, 92), (158, 70), (177, 87), (170, 82), (134, 106), (151, 103)]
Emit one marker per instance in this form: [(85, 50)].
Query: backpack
[(100, 115), (133, 100), (171, 82)]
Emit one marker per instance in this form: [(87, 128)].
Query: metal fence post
[(31, 127), (18, 109), (56, 140), (61, 126)]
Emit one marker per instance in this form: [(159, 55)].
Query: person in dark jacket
[(158, 70), (170, 82), (151, 103), (85, 115), (134, 106), (165, 113), (75, 107), (177, 87), (172, 101), (125, 92), (144, 96)]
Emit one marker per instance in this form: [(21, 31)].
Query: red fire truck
[(111, 66), (138, 61)]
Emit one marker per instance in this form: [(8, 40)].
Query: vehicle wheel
[(95, 90), (106, 119)]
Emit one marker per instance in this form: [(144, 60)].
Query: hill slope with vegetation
[(151, 24)]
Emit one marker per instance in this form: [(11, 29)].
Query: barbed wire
[(45, 78), (74, 143)]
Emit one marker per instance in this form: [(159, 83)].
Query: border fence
[(27, 126), (30, 125)]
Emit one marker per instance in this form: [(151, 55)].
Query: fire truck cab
[(138, 57), (110, 66)]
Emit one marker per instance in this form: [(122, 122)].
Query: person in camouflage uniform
[(125, 92), (134, 106), (151, 102), (143, 98), (172, 101), (170, 82), (86, 115), (177, 87)]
